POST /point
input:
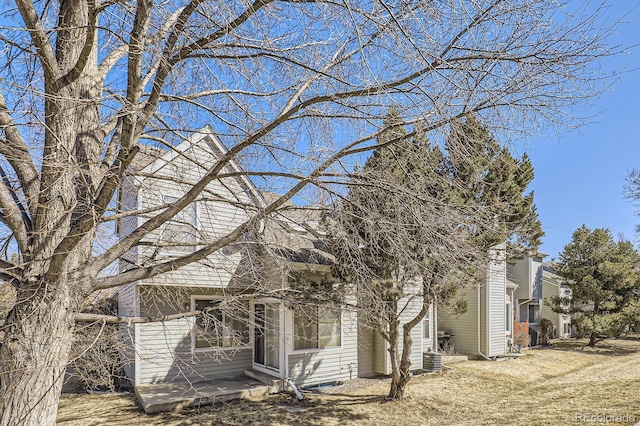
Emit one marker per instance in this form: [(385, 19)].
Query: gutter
[(434, 338)]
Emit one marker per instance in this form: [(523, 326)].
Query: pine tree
[(603, 277), (488, 175), (418, 222)]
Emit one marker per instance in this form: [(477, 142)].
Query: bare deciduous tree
[(293, 89)]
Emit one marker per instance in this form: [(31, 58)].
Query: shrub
[(546, 332), (522, 339), (98, 351)]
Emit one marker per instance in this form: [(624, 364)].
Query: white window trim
[(427, 317), (295, 351), (248, 345), (283, 340)]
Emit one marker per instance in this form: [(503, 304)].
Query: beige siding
[(381, 362), (548, 290), (164, 354), (217, 215), (496, 316), (307, 368), (520, 273), (427, 344), (481, 330), (551, 287), (128, 307), (380, 354), (414, 306), (366, 349), (127, 301), (128, 202), (536, 278), (464, 328)]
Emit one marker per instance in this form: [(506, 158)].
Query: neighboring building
[(373, 349), (486, 326), (249, 327), (552, 286), (536, 281), (526, 273)]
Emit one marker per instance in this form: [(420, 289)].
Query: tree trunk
[(40, 328), (394, 335), (400, 362), (33, 358), (398, 377), (400, 380)]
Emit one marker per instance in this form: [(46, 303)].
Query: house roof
[(146, 156), (154, 158), (294, 234)]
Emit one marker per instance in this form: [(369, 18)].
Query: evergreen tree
[(417, 223), (488, 175), (603, 277)]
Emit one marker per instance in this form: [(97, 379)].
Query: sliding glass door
[(266, 340)]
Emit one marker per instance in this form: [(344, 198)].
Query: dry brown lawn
[(544, 387)]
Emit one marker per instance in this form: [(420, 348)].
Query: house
[(536, 281), (552, 285), (484, 330), (373, 349), (256, 295), (510, 298), (526, 273)]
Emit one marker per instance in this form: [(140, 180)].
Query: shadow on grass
[(276, 409), (607, 347), (280, 409), (315, 409)]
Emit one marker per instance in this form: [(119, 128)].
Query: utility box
[(432, 362)]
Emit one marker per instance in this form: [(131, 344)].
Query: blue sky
[(580, 175)]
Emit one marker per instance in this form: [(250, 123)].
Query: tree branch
[(12, 216), (40, 40), (168, 61), (87, 221), (112, 319), (25, 215), (15, 150), (89, 44)]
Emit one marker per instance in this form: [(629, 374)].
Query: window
[(508, 317), (317, 328), (426, 328), (534, 314), (221, 327), (180, 234), (567, 329)]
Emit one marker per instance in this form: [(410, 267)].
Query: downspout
[(434, 338), (522, 303), (287, 338), (513, 314), (295, 389)]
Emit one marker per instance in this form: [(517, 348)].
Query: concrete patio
[(176, 395)]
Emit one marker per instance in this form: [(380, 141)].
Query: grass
[(545, 387)]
